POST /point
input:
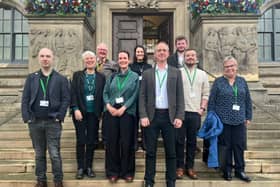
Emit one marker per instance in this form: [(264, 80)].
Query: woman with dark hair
[(120, 93), (86, 105), (139, 65)]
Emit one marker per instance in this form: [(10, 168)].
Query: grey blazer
[(147, 95)]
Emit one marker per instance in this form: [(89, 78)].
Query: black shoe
[(80, 174), (41, 184), (148, 184), (242, 176), (90, 173), (227, 176)]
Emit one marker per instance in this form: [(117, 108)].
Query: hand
[(177, 123), (247, 122), (78, 115), (145, 122), (113, 111), (121, 111)]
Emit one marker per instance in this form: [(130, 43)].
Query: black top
[(139, 67)]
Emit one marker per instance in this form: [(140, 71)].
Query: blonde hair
[(229, 58)]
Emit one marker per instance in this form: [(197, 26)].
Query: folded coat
[(212, 127)]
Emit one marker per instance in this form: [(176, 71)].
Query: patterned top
[(233, 107)]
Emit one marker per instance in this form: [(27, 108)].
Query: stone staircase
[(17, 156)]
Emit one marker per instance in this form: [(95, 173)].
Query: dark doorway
[(144, 29)]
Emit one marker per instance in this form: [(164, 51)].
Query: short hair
[(88, 53), (103, 45), (162, 42), (181, 37), (229, 58), (190, 49), (124, 51), (145, 59)]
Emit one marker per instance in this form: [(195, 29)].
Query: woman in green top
[(120, 93), (86, 105)]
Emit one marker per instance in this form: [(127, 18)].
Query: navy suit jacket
[(59, 96)]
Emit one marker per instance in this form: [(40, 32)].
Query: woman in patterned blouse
[(231, 100)]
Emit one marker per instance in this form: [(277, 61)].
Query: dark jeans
[(45, 134), (86, 135), (233, 140), (120, 148), (161, 123), (187, 133)]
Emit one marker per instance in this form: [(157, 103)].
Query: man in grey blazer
[(161, 108)]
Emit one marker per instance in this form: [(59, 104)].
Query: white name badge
[(192, 94), (90, 98), (159, 99), (140, 78), (44, 103), (119, 100), (235, 107)]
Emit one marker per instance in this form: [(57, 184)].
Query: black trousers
[(120, 148), (161, 123), (233, 138), (187, 133), (86, 135)]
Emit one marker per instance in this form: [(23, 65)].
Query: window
[(13, 36), (269, 35)]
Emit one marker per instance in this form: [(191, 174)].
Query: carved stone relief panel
[(66, 44), (237, 41), (143, 4)]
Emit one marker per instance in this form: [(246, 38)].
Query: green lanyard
[(90, 84), (161, 80), (44, 86), (235, 92), (122, 84), (191, 79)]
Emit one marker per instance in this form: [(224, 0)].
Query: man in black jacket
[(177, 59), (45, 100)]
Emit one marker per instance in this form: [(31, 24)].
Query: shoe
[(242, 176), (41, 184), (80, 174), (90, 173), (179, 173), (192, 174), (113, 179), (58, 184), (148, 185), (128, 179), (227, 176)]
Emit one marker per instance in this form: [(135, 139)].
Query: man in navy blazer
[(45, 99), (161, 108)]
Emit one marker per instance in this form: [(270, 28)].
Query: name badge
[(44, 103), (90, 98), (192, 94), (235, 107), (119, 100), (159, 99), (140, 78)]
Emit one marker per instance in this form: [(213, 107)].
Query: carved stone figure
[(142, 4)]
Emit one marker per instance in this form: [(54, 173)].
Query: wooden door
[(127, 33)]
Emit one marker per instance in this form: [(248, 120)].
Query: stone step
[(70, 153), (264, 126), (70, 133), (18, 70), (11, 82), (206, 180), (70, 166)]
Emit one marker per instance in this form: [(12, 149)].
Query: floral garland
[(215, 7), (60, 7)]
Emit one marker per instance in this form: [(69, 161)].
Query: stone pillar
[(216, 37), (68, 36)]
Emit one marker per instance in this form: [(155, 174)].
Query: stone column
[(216, 37), (68, 36)]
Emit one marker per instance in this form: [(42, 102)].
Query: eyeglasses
[(229, 66)]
